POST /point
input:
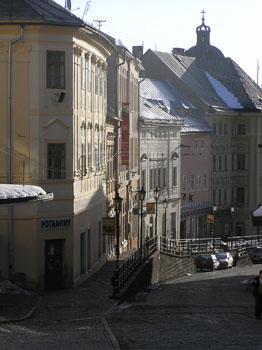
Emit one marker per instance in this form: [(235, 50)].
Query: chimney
[(138, 51), (178, 51)]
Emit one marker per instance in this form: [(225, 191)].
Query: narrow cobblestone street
[(206, 310)]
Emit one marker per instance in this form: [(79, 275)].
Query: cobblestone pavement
[(207, 310), (67, 319)]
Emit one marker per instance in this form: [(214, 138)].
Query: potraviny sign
[(55, 223)]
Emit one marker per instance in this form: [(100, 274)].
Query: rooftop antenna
[(99, 21), (88, 3), (258, 68)]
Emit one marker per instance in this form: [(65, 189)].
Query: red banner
[(125, 134)]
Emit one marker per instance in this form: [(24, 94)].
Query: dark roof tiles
[(46, 11)]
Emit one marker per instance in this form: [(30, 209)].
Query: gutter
[(119, 125), (10, 151)]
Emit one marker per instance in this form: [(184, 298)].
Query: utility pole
[(99, 21)]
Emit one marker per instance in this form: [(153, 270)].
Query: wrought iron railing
[(178, 247), (124, 271)]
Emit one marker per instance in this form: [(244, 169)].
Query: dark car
[(207, 262), (257, 255)]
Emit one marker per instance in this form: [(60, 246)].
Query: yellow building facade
[(53, 134)]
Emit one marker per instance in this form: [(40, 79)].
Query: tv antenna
[(99, 21), (88, 4)]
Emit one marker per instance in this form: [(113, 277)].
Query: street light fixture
[(232, 209), (142, 195), (214, 225), (156, 196), (165, 206), (118, 205)]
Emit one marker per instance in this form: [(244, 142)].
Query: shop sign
[(108, 226), (55, 223)]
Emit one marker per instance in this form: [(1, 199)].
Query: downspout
[(10, 151), (119, 124), (139, 125)]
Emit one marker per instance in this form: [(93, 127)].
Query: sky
[(161, 25)]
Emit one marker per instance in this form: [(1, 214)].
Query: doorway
[(54, 264)]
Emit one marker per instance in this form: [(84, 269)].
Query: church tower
[(203, 32)]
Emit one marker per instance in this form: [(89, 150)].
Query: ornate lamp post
[(156, 196), (165, 206), (232, 210), (118, 205), (214, 225), (142, 194)]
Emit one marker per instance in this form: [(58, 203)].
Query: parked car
[(257, 255), (207, 262), (225, 260)]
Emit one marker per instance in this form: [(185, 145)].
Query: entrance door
[(53, 263)]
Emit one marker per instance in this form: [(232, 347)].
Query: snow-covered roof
[(227, 96), (22, 193)]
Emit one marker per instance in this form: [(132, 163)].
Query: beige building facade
[(53, 134)]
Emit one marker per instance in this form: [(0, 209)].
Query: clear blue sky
[(235, 25)]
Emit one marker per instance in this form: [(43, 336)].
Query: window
[(184, 184), (214, 163), (151, 178), (96, 156), (214, 196), (195, 144), (225, 129), (101, 81), (219, 196), (83, 72), (205, 183), (225, 196), (203, 143), (96, 79), (220, 129), (215, 128), (89, 156), (198, 181), (241, 129), (55, 68), (240, 195), (220, 163), (89, 75), (83, 160), (225, 163), (240, 162), (143, 179), (164, 177), (233, 158), (56, 161), (174, 176), (192, 182)]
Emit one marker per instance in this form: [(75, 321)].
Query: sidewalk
[(90, 299)]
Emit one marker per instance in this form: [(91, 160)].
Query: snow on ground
[(9, 288), (20, 191)]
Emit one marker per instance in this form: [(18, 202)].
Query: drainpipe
[(118, 124), (10, 151), (139, 126)]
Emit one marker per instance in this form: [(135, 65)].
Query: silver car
[(225, 260)]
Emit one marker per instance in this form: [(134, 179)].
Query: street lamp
[(118, 205), (214, 224), (142, 194), (156, 196), (232, 210), (165, 206)]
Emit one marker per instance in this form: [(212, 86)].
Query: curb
[(26, 316)]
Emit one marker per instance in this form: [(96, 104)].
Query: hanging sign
[(108, 226)]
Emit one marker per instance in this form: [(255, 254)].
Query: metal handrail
[(124, 271)]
